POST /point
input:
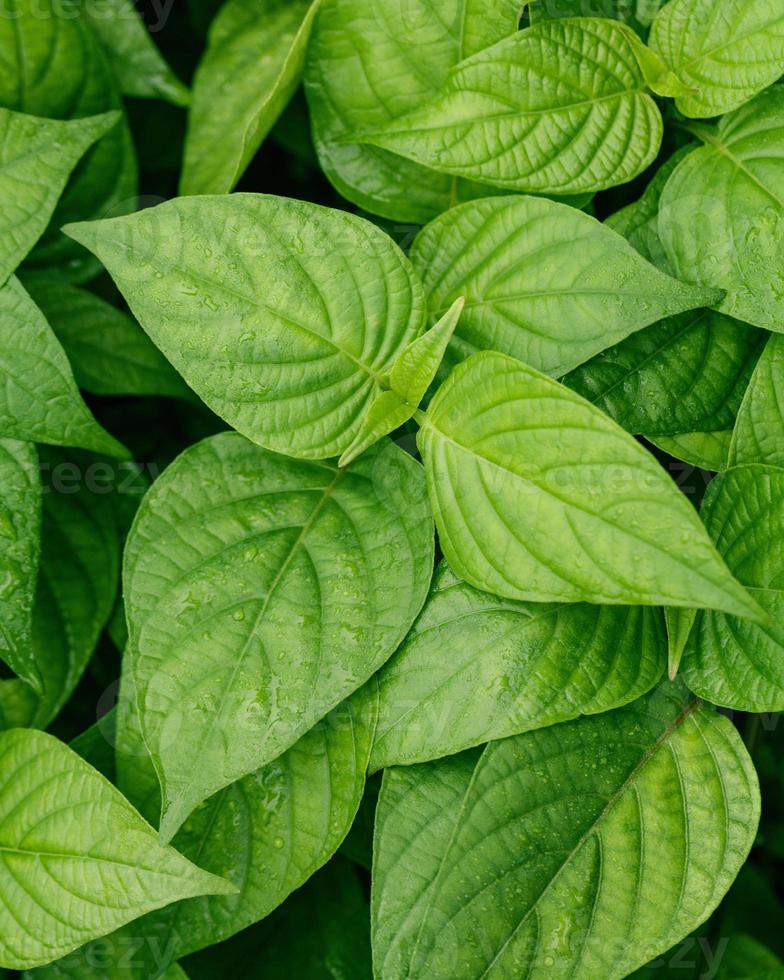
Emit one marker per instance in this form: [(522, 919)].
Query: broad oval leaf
[(238, 95), (731, 661), (542, 281), (725, 51), (520, 861), (538, 495), (137, 64), (685, 374), (109, 352), (267, 834), (721, 218), (67, 835), (500, 118), (55, 67), (39, 400), (36, 160), (512, 667), (370, 61), (20, 546), (759, 430), (283, 316), (261, 591)]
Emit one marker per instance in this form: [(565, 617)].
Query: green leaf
[(109, 352), (679, 624), (759, 430), (55, 67), (542, 281), (77, 581), (685, 374), (500, 120), (371, 61), (721, 219), (137, 64), (637, 13), (321, 933), (36, 159), (20, 528), (410, 377), (726, 51), (290, 335), (538, 495), (706, 450), (39, 400), (731, 661), (512, 667), (253, 63), (517, 862), (261, 591), (67, 836), (639, 222)]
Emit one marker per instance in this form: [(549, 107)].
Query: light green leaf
[(261, 591), (727, 660), (36, 160), (679, 624), (53, 863), (410, 377), (639, 222), (109, 352), (721, 217), (20, 529), (706, 450), (267, 833), (538, 495), (512, 667), (55, 67), (519, 861), (388, 412), (39, 400), (500, 120), (253, 63), (290, 335), (726, 51), (321, 933), (415, 368), (137, 64), (371, 61), (759, 430), (687, 373), (542, 281)]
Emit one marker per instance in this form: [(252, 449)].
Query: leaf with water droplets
[(516, 861), (285, 317), (20, 528), (260, 592), (539, 496), (67, 836), (721, 216)]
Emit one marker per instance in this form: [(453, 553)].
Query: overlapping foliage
[(353, 401)]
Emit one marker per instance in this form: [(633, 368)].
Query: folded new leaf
[(410, 377), (66, 836), (542, 281), (537, 495), (499, 119), (516, 861), (260, 592), (37, 157), (758, 436), (285, 317)]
